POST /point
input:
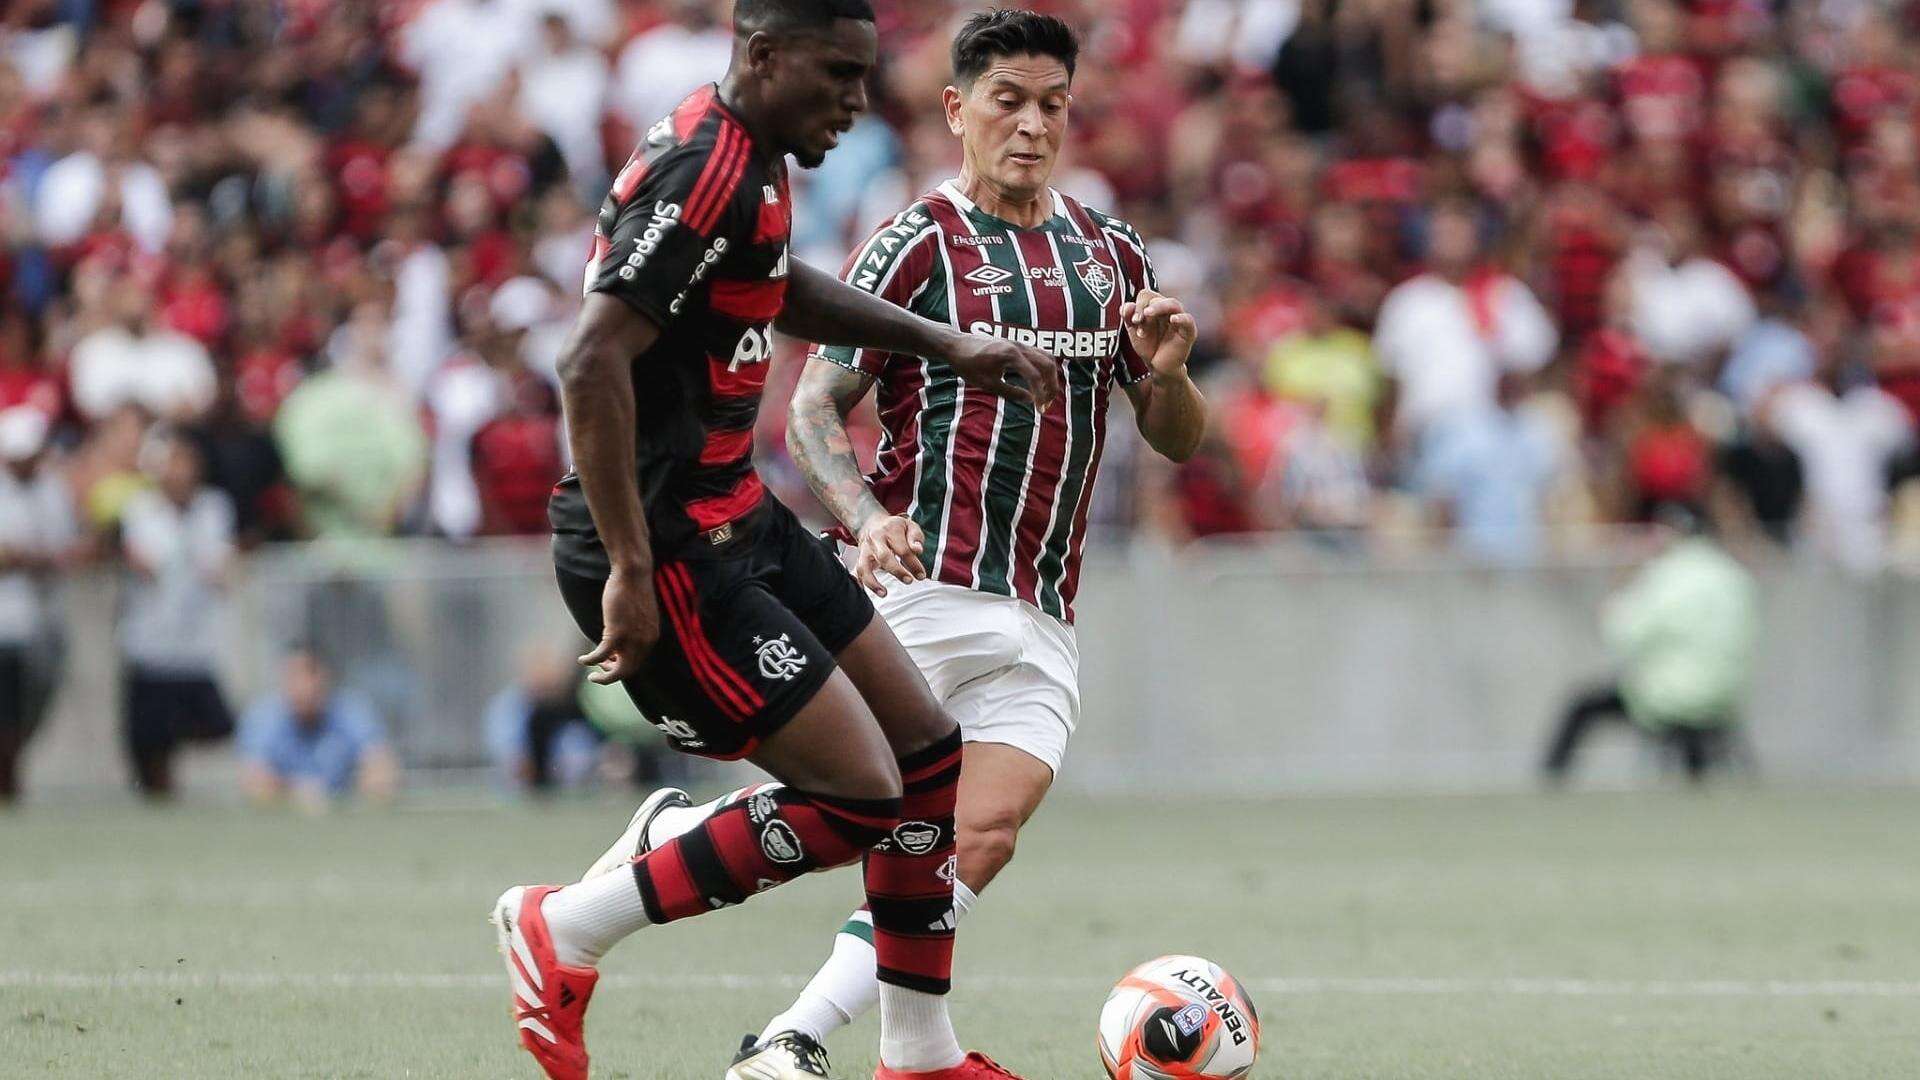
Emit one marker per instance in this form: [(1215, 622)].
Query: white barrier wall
[(1223, 669), (1229, 673)]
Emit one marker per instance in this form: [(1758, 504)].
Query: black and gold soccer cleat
[(788, 1055)]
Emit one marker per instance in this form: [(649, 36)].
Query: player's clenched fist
[(890, 545), (1161, 330)]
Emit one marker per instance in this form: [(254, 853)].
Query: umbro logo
[(987, 274)]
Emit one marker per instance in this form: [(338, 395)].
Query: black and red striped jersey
[(694, 237)]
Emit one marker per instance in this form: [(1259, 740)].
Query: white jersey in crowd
[(171, 619), (1448, 344), (36, 517), (1845, 445)]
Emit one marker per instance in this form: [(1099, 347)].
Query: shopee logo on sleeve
[(665, 216)]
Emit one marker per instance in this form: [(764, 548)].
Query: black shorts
[(749, 627)]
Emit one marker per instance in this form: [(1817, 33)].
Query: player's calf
[(748, 846), (985, 848)]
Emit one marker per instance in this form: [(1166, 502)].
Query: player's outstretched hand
[(890, 545), (987, 361), (1161, 330), (632, 625)]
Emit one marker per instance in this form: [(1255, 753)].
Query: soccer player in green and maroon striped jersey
[(978, 506)]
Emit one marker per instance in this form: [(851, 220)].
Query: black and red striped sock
[(764, 839), (910, 875)]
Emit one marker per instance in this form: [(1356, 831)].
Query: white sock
[(963, 900), (587, 919), (680, 820), (844, 988), (915, 1032)]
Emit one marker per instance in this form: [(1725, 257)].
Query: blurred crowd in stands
[(1517, 267)]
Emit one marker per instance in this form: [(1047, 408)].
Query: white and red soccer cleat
[(549, 999), (976, 1066)]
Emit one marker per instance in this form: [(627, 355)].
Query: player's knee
[(840, 829), (876, 778), (986, 847)]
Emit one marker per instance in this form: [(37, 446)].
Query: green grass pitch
[(1739, 935)]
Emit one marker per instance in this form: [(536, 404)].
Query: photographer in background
[(1683, 633)]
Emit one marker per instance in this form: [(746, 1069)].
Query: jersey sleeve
[(1136, 273), (682, 216), (895, 263)]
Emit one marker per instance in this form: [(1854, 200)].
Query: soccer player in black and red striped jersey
[(734, 630), (978, 505)]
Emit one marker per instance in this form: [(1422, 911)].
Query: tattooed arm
[(817, 438)]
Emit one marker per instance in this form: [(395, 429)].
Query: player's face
[(818, 85), (1013, 120)]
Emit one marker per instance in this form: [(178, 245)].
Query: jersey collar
[(951, 189)]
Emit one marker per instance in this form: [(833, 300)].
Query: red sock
[(910, 874), (750, 845)]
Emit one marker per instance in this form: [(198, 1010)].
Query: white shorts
[(1006, 671)]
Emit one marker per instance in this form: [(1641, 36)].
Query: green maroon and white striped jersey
[(1001, 493)]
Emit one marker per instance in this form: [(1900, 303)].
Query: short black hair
[(788, 16), (991, 35)]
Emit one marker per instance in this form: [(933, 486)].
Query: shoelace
[(810, 1054)]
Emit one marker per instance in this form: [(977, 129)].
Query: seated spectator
[(313, 745), (1774, 352), (1323, 477), (563, 85), (37, 535), (1688, 309), (1847, 438), (136, 362), (1669, 462), (537, 732), (1489, 473), (1762, 484), (664, 64), (1331, 366), (179, 541), (354, 450), (24, 379), (103, 177), (517, 459), (1683, 632), (1446, 337)]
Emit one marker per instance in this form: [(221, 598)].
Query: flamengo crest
[(778, 658), (1096, 277)]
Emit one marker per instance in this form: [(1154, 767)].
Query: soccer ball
[(1178, 1017)]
